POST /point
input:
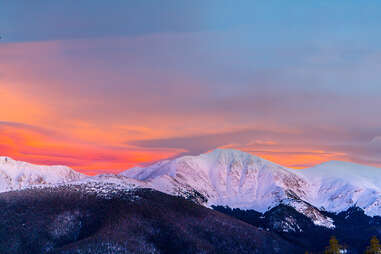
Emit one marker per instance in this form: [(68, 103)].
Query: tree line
[(335, 247)]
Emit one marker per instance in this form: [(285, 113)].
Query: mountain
[(101, 218), (17, 174), (304, 207), (335, 186), (225, 177), (232, 178), (240, 180), (353, 228)]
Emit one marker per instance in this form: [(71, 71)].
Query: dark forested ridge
[(66, 219), (72, 219), (352, 228)]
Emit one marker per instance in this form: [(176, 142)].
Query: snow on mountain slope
[(18, 174), (241, 180), (336, 186), (231, 178), (225, 177)]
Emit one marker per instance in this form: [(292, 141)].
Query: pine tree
[(375, 246), (334, 246)]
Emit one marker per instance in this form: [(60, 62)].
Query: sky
[(102, 86)]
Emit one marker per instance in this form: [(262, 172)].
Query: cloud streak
[(33, 144), (298, 149)]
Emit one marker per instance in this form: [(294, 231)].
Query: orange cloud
[(293, 157), (15, 106), (300, 159), (29, 143), (101, 105)]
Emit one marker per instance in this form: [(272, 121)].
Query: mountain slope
[(240, 180), (225, 177), (231, 178), (336, 186), (17, 174), (100, 218), (353, 228)]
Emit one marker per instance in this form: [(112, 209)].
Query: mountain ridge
[(325, 186), (18, 174), (227, 177)]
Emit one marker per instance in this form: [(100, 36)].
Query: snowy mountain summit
[(240, 180), (17, 174), (336, 186), (226, 177)]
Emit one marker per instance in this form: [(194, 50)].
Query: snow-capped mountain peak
[(237, 179), (225, 177), (336, 186), (17, 174)]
